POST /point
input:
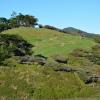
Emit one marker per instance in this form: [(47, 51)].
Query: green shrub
[(13, 45)]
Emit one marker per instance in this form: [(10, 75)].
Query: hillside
[(58, 78), (50, 42), (75, 31)]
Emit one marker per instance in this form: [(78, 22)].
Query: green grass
[(35, 82), (50, 42), (41, 83)]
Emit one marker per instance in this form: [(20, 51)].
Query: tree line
[(17, 20)]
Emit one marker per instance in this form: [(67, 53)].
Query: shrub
[(13, 45)]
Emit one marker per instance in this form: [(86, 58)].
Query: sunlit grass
[(41, 83), (50, 42)]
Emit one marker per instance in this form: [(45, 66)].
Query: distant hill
[(75, 31), (72, 31)]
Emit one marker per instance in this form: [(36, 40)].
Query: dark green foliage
[(40, 26), (4, 27), (3, 20), (17, 21), (23, 20), (13, 45)]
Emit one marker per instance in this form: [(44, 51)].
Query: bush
[(13, 45), (4, 27)]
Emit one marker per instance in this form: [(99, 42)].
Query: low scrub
[(13, 45)]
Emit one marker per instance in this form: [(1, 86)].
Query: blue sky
[(81, 14)]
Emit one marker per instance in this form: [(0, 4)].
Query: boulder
[(27, 59), (60, 59), (40, 56), (31, 59)]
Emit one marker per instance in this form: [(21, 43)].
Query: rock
[(40, 56), (27, 59), (60, 59), (31, 59), (66, 69), (40, 61), (91, 79)]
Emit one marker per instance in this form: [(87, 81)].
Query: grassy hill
[(50, 42), (36, 82)]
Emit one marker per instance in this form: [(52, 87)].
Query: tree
[(40, 25), (13, 23), (23, 20), (17, 21), (3, 20), (14, 14), (3, 24)]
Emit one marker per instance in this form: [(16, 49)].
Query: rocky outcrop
[(32, 59)]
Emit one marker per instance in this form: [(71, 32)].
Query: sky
[(81, 14)]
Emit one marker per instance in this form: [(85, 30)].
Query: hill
[(50, 42), (54, 80), (75, 31)]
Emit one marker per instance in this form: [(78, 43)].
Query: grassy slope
[(42, 83), (50, 42)]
